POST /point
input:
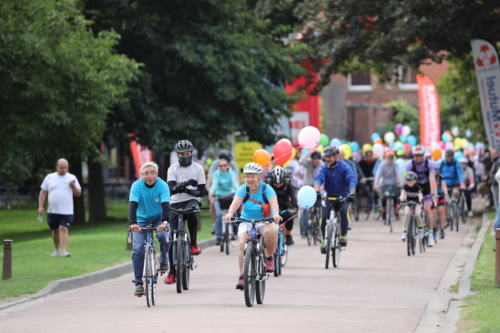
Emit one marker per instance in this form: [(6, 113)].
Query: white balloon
[(455, 131), (378, 149), (389, 137), (406, 130)]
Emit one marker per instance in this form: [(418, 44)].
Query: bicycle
[(388, 193), (462, 204), (372, 205), (281, 252), (356, 207), (332, 232), (254, 263), (150, 271), (412, 232), (453, 212), (227, 231), (313, 227), (183, 257)]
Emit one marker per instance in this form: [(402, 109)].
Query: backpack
[(414, 168), (266, 208), (441, 167)]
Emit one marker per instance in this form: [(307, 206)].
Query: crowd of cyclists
[(271, 193)]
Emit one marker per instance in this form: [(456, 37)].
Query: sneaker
[(470, 213), (56, 253), (170, 278), (270, 264), (383, 216), (164, 267), (289, 240), (217, 241), (139, 290), (343, 242), (431, 240), (241, 283), (322, 250), (195, 249), (349, 227), (403, 236), (396, 217), (442, 233), (65, 254), (420, 233)]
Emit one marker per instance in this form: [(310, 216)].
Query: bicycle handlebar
[(336, 198), (193, 209), (240, 219), (410, 203)]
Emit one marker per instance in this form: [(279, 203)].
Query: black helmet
[(411, 176), (316, 154), (331, 150), (449, 152), (278, 175), (225, 155), (183, 145)]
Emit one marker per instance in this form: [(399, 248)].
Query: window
[(360, 81), (407, 78)]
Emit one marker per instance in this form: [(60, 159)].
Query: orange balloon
[(262, 157), (379, 140), (436, 153)]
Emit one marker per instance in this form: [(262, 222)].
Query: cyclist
[(148, 204), (287, 201), (452, 173), (338, 180), (312, 163), (441, 201), (425, 170), (412, 192), (224, 183), (187, 185), (252, 196), (469, 183), (387, 179), (366, 165), (354, 167)]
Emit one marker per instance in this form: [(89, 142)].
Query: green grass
[(480, 314), (94, 246)]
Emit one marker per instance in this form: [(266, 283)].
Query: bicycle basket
[(225, 201)]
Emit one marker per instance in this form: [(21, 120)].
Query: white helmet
[(252, 168)]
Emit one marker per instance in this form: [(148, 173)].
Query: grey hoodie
[(388, 175), (310, 171)]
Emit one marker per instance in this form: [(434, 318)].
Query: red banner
[(430, 122), (141, 155)]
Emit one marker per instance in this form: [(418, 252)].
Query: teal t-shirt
[(149, 199), (252, 210)]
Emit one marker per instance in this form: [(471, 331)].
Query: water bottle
[(39, 218), (253, 233)]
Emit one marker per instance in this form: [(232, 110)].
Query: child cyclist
[(412, 192)]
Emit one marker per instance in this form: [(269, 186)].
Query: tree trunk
[(97, 196), (75, 167)]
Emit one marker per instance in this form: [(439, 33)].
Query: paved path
[(377, 288)]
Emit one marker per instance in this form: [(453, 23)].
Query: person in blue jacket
[(337, 178), (452, 173)]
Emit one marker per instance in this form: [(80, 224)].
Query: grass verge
[(480, 312), (94, 246)]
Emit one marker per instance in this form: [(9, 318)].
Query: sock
[(431, 230), (404, 230), (420, 226)]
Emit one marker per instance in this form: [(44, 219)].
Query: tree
[(406, 115)]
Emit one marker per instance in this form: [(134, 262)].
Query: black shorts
[(426, 191), (441, 200), (56, 220)]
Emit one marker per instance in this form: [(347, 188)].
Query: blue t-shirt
[(149, 199), (252, 210)]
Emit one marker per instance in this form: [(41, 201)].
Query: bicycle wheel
[(284, 255), (249, 275), (390, 208), (463, 209), (355, 210), (311, 237), (277, 262), (154, 279), (329, 236), (179, 264), (147, 275), (227, 238), (457, 216), (188, 260), (260, 284), (414, 238), (367, 212), (336, 248), (409, 235)]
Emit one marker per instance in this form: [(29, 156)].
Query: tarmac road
[(377, 288)]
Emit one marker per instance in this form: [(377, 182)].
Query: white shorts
[(245, 227)]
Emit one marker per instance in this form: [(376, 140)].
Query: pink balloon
[(309, 137), (442, 145), (448, 145)]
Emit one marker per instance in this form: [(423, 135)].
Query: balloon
[(262, 157), (457, 142), (287, 163), (335, 142), (436, 154), (398, 144), (442, 144), (455, 131), (375, 136), (294, 153), (378, 149), (467, 152), (323, 140), (347, 150), (407, 148), (468, 133), (309, 137), (320, 148), (406, 130), (448, 145), (449, 134), (399, 129), (412, 140), (354, 146), (401, 164), (445, 137), (434, 145), (392, 144), (378, 140), (400, 151), (304, 151), (285, 139), (367, 147), (344, 142), (459, 155), (306, 196), (282, 152), (389, 137), (464, 143), (403, 138)]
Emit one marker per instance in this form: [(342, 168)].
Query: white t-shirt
[(179, 175), (60, 193)]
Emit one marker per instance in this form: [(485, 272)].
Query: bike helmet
[(418, 150), (449, 152), (225, 155), (411, 176), (331, 150), (183, 146), (252, 168), (463, 160), (316, 154), (278, 175)]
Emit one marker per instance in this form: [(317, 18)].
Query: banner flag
[(488, 82), (430, 121), (140, 155)]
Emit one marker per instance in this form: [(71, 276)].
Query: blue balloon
[(403, 138), (375, 136), (402, 165), (392, 144), (459, 155), (412, 140), (335, 142), (306, 196), (354, 146)]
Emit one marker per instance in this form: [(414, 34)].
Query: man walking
[(61, 186)]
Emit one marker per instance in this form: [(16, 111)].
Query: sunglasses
[(419, 155), (222, 165)]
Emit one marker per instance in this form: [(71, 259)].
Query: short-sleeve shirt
[(60, 193), (252, 210), (181, 174), (215, 166), (412, 192), (420, 169), (149, 199)]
